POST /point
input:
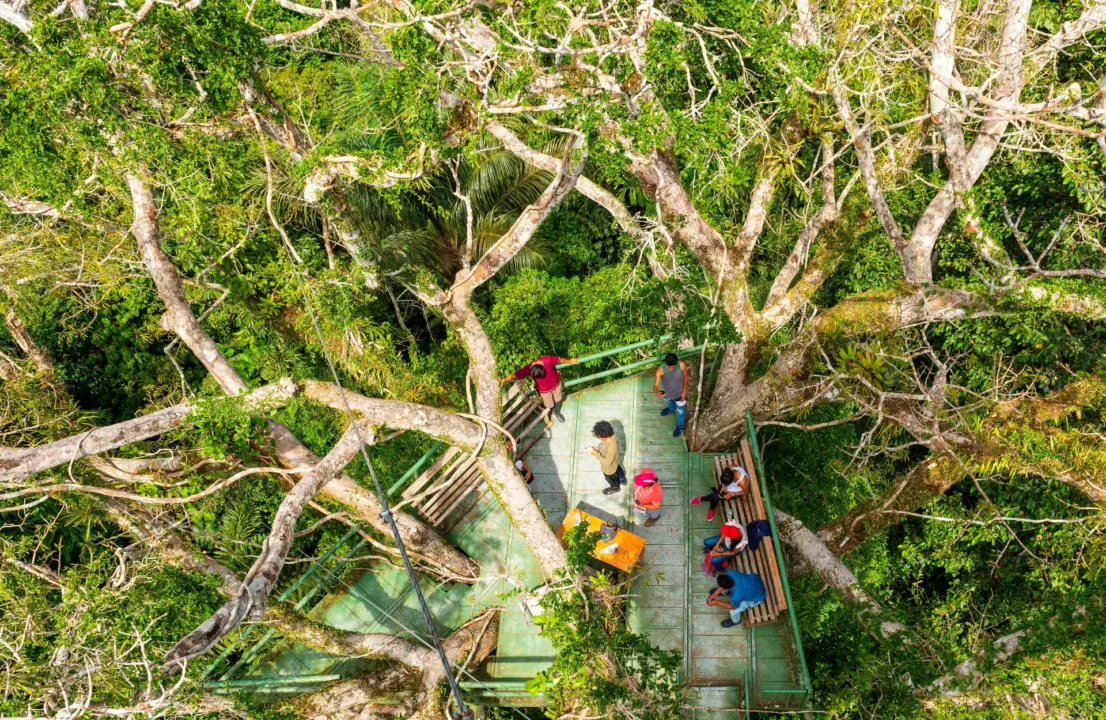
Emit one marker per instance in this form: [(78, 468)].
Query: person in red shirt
[(547, 380), (648, 495)]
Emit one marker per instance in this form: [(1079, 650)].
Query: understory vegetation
[(236, 236)]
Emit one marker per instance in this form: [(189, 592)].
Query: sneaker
[(678, 432), (651, 522), (696, 500), (610, 491), (560, 416), (665, 412), (710, 515), (728, 623)]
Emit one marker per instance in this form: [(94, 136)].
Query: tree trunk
[(253, 596), (290, 451), (20, 463)]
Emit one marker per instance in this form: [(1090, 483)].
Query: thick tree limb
[(594, 192), (866, 158), (936, 474), (16, 14), (393, 413), (27, 344), (289, 450), (917, 256), (20, 463), (815, 557), (253, 595)]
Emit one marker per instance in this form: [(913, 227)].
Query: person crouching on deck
[(546, 379), (648, 495), (737, 592), (734, 483)]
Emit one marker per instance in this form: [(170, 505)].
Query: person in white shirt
[(733, 483)]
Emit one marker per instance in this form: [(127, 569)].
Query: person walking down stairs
[(648, 495), (546, 379), (671, 384)]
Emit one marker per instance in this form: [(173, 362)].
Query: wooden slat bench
[(762, 562)]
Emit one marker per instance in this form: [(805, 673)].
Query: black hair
[(725, 582), (537, 370), (727, 476), (603, 429), (671, 360)]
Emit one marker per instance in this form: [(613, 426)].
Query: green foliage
[(227, 428), (596, 652)]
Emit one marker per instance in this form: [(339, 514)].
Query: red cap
[(645, 477), (731, 531)]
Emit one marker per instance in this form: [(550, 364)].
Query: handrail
[(616, 351), (414, 468), (754, 447)]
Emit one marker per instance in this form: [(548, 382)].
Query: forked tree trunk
[(290, 451)]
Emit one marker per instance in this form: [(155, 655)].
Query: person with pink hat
[(720, 548), (648, 495)]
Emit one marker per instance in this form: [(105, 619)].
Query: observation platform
[(729, 669)]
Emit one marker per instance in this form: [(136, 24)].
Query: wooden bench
[(443, 486), (762, 562)]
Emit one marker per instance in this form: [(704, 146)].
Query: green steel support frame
[(754, 447)]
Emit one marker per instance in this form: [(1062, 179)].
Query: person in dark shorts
[(546, 379), (607, 452)]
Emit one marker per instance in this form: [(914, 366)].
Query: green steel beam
[(273, 682), (754, 446), (617, 351), (626, 368), (282, 597), (748, 681), (414, 468)]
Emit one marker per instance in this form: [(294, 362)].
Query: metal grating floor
[(669, 591)]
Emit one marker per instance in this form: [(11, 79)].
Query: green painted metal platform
[(669, 590)]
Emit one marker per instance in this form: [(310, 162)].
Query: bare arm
[(683, 368), (657, 384)]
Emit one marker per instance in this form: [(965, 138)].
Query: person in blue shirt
[(737, 592)]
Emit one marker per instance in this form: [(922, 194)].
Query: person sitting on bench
[(726, 545), (737, 592), (734, 483)]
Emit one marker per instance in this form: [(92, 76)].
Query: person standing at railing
[(671, 384), (607, 452), (546, 379)]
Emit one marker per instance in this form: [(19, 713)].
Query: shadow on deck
[(669, 590)]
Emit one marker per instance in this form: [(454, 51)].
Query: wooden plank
[(430, 472), (767, 544), (442, 488), (471, 483)]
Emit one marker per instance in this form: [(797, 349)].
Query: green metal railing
[(414, 468), (754, 448), (224, 680), (656, 360)]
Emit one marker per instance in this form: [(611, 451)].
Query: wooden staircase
[(446, 484)]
